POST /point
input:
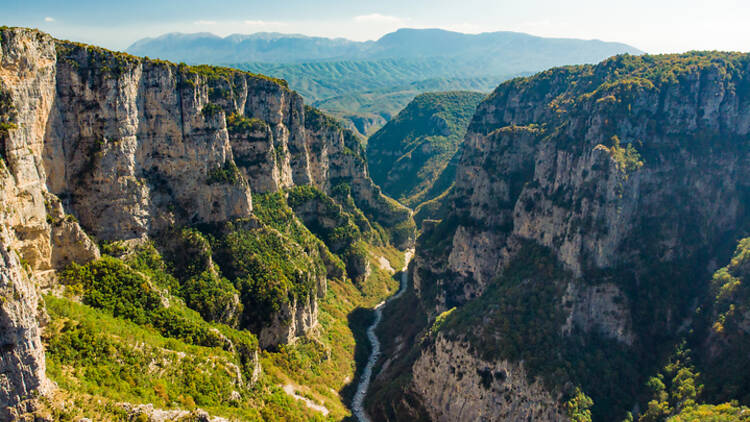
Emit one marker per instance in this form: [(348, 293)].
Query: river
[(364, 383)]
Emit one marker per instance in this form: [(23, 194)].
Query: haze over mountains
[(366, 83), (506, 51)]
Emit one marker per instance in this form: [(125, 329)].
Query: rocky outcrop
[(602, 308), (455, 385), (22, 367), (151, 414), (134, 147), (634, 182), (297, 318)]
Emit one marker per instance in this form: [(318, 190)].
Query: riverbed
[(364, 382)]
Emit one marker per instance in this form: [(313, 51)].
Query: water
[(364, 382)]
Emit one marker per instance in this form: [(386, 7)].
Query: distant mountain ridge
[(404, 43), (366, 83)]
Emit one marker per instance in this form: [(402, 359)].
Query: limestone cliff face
[(132, 148), (636, 183), (296, 319), (458, 386), (36, 237), (528, 173)]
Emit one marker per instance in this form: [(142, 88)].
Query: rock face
[(35, 236), (294, 320), (132, 148), (458, 386), (631, 173)]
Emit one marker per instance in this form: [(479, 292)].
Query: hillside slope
[(591, 206), (409, 157)]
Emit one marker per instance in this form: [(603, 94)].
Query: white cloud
[(377, 18), (263, 23), (49, 19), (205, 22)]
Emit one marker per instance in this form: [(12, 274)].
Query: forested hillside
[(413, 157)]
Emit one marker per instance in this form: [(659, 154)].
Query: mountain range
[(367, 83)]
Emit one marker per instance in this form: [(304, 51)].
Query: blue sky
[(654, 26)]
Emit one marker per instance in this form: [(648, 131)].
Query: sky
[(654, 26)]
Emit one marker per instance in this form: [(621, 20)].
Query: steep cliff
[(36, 237), (142, 151), (591, 203)]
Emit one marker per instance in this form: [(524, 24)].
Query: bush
[(214, 297), (211, 110), (111, 285), (228, 173)]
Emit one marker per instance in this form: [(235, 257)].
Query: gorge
[(195, 243)]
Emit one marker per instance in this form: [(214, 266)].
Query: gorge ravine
[(364, 382)]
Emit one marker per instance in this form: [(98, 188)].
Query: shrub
[(211, 110), (228, 173), (214, 297)]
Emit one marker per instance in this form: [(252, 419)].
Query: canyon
[(195, 242)]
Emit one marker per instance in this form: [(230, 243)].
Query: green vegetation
[(123, 344), (674, 389), (228, 173), (440, 320), (7, 111), (214, 74), (333, 360), (410, 157), (677, 391), (94, 62), (237, 124), (526, 326), (267, 269), (7, 121), (349, 225), (724, 374), (578, 407), (177, 358), (436, 208), (211, 110), (727, 412), (98, 360), (627, 158), (612, 86), (111, 285)]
